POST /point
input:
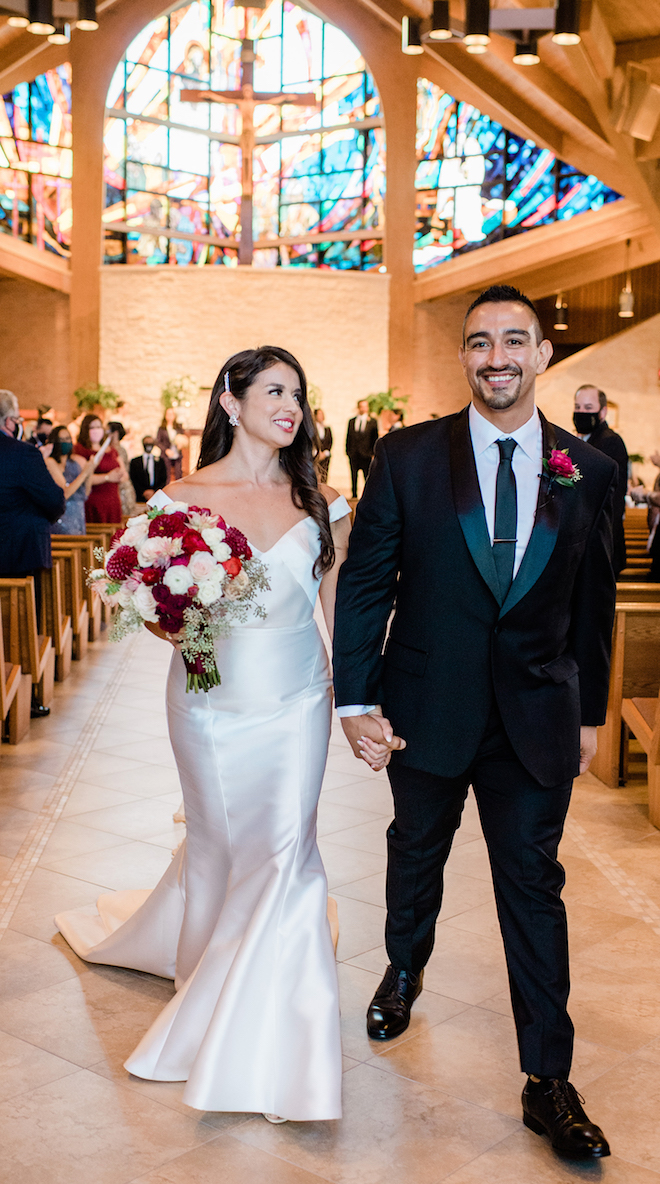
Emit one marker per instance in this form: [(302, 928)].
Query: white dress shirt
[(526, 463), (361, 422), (149, 467)]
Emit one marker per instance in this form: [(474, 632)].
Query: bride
[(239, 919)]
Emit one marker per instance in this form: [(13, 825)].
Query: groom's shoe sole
[(389, 1011)]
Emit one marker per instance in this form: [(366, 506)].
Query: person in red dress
[(103, 504)]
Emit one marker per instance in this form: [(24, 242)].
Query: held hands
[(588, 746), (372, 738)]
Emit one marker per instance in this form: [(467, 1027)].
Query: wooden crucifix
[(246, 100)]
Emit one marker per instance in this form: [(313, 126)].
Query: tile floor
[(86, 804)]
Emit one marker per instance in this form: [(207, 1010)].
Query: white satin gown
[(239, 919)]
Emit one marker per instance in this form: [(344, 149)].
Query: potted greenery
[(179, 392), (94, 395), (386, 401)]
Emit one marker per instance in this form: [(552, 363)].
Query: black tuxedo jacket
[(360, 445), (140, 477), (420, 536), (609, 442), (29, 501)]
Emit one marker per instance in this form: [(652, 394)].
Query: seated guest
[(148, 472), (29, 501), (72, 475), (103, 504)]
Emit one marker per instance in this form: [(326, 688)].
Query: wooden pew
[(29, 649), (635, 673), (85, 545), (638, 593), (101, 534), (73, 597), (54, 620), (641, 717), (15, 697)]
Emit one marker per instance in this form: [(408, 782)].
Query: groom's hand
[(588, 746), (372, 738)]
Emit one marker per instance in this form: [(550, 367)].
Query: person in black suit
[(29, 501), (361, 440), (495, 673), (590, 419), (147, 472), (324, 453)]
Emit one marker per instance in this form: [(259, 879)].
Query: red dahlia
[(121, 563), (237, 541)]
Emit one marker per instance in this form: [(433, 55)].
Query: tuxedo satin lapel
[(468, 503), (546, 527)]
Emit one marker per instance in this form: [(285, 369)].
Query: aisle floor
[(86, 805)]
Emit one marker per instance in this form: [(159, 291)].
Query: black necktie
[(506, 517)]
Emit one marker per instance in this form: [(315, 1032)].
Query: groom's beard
[(496, 399)]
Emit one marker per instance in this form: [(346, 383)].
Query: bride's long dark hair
[(296, 460)]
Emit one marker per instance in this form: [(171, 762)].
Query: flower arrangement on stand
[(179, 392), (185, 569)]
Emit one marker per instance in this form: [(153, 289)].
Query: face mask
[(96, 435), (18, 431), (66, 447), (585, 422), (148, 447), (42, 437)]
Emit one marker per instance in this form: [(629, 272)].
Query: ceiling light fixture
[(526, 54), (40, 13), (87, 21), (626, 295), (440, 30), (411, 36), (477, 25), (62, 34), (567, 23), (18, 22), (561, 313)]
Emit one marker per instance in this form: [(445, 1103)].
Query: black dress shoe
[(389, 1011), (552, 1107), (37, 711)]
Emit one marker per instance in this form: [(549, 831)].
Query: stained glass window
[(478, 183), (36, 161), (173, 168)]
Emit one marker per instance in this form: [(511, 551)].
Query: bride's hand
[(173, 638)]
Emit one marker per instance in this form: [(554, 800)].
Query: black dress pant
[(359, 464), (522, 823)]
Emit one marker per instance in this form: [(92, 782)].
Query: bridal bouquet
[(182, 568)]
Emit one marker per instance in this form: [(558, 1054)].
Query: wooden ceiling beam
[(637, 51), (549, 257), (23, 261)]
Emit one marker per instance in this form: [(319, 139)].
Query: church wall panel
[(159, 323), (440, 385), (34, 360)]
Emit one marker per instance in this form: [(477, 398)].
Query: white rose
[(209, 591), (178, 579), (221, 551), (201, 565), (176, 507), (213, 535), (138, 520), (124, 596), (134, 536), (145, 603)]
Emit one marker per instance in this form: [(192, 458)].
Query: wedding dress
[(239, 919)]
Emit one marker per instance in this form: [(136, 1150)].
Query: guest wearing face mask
[(72, 474), (103, 504), (147, 472), (590, 419)]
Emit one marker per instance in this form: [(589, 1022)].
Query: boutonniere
[(560, 470)]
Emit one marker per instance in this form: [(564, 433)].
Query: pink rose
[(157, 550), (201, 565), (561, 464)]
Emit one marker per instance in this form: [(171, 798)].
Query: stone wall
[(34, 355), (159, 323)]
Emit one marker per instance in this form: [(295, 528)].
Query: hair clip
[(227, 386)]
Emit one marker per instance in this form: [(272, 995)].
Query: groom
[(490, 533)]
